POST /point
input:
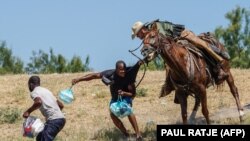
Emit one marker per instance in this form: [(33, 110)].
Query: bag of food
[(121, 108), (32, 126), (67, 95)]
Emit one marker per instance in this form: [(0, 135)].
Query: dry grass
[(88, 116)]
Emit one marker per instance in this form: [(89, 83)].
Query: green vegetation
[(236, 37), (9, 63), (40, 62), (142, 92), (9, 115), (156, 64)]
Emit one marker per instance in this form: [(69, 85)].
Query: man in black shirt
[(122, 82)]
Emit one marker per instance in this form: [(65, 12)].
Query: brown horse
[(189, 72)]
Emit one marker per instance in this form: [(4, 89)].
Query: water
[(66, 96)]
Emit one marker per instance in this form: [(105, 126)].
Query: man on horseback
[(178, 32)]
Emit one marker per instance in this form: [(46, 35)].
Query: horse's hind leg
[(234, 91), (195, 109)]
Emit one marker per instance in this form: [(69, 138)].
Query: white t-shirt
[(49, 107)]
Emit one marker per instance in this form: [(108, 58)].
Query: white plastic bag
[(32, 126)]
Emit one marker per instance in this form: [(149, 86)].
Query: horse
[(190, 73)]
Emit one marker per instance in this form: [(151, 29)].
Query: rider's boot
[(167, 87)]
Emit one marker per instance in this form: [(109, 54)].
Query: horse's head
[(151, 45), (149, 52), (154, 44)]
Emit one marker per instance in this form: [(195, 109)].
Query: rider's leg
[(167, 87)]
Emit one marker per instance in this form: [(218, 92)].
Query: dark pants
[(51, 129)]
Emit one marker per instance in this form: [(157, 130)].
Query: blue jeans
[(51, 129)]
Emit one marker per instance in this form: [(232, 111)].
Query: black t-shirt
[(120, 83)]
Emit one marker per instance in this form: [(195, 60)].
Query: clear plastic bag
[(121, 108), (67, 95), (32, 126)]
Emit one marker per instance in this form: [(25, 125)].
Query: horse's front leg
[(195, 109), (182, 97)]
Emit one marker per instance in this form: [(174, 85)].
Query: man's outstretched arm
[(87, 77)]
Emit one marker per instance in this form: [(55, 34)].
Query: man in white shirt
[(49, 106)]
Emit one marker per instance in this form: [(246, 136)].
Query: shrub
[(141, 92), (9, 115)]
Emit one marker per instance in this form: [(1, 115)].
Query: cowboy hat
[(136, 28)]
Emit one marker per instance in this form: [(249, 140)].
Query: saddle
[(215, 45)]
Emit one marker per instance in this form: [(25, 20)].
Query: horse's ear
[(154, 26)]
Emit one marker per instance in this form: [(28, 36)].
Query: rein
[(145, 68)]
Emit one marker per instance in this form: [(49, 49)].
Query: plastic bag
[(121, 108), (32, 126), (67, 95)]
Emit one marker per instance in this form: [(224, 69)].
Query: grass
[(88, 115), (141, 92), (9, 115)]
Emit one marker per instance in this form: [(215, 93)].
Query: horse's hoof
[(242, 116), (242, 119)]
